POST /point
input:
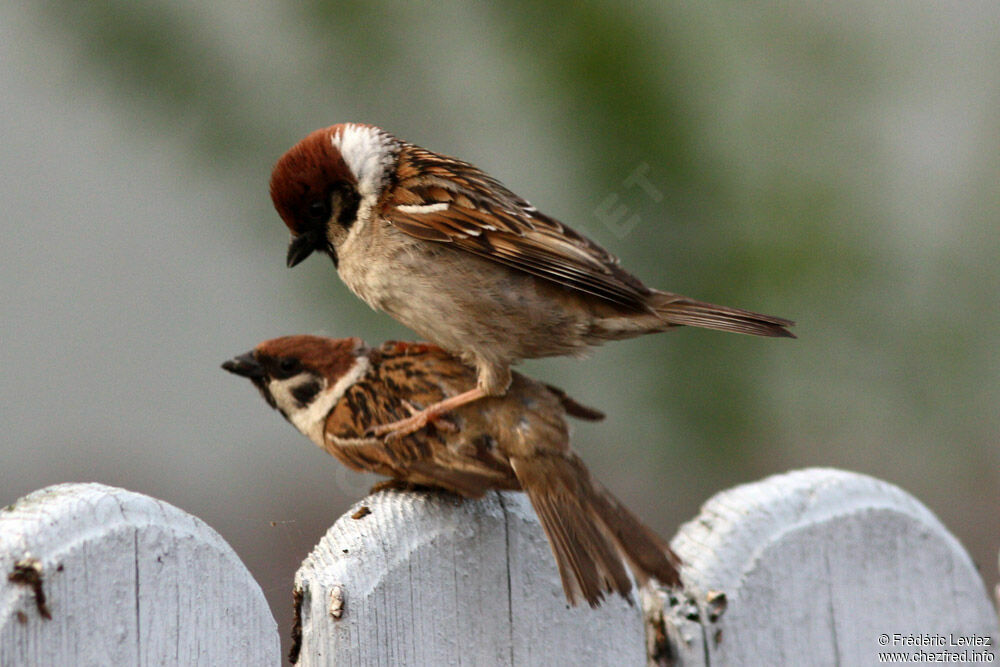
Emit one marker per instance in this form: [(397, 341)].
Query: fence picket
[(429, 579), (822, 567), (94, 575)]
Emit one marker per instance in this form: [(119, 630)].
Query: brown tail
[(575, 409), (591, 534), (680, 310)]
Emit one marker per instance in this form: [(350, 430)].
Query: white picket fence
[(814, 567)]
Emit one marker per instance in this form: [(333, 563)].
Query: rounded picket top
[(426, 578), (99, 575), (824, 567)]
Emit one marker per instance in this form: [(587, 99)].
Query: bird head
[(328, 183), (303, 377)]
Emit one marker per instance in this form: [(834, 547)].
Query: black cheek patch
[(306, 392), (349, 202)]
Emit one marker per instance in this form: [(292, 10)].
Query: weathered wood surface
[(823, 567), (94, 575), (815, 567), (429, 579)]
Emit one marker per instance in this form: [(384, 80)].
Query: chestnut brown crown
[(303, 178), (312, 186), (326, 360)]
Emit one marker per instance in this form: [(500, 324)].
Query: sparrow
[(334, 390), (454, 255)]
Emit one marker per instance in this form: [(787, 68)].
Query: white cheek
[(311, 419), (281, 392), (368, 153)]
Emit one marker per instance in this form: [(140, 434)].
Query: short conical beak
[(303, 245), (246, 366)]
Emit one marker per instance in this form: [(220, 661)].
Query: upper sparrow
[(451, 253), (334, 391)]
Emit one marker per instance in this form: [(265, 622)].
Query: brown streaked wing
[(485, 218), (418, 374)]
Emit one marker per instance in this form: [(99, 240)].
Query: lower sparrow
[(335, 390)]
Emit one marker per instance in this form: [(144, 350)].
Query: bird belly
[(473, 306)]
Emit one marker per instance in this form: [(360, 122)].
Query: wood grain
[(430, 579), (127, 580), (815, 566)]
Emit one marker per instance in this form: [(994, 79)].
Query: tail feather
[(590, 532), (648, 555), (588, 564), (680, 310)]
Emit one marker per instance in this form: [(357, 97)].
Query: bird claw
[(417, 420), (433, 414)]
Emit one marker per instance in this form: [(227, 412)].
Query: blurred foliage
[(156, 58)]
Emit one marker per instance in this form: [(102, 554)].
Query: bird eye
[(289, 366), (318, 210)]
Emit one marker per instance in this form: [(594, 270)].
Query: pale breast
[(464, 303)]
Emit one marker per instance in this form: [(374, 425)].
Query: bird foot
[(432, 414)]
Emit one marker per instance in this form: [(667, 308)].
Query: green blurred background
[(834, 163)]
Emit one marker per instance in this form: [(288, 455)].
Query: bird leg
[(440, 422), (429, 415)]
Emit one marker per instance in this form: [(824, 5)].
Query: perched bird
[(467, 264), (334, 390)]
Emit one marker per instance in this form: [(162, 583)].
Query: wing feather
[(485, 218)]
